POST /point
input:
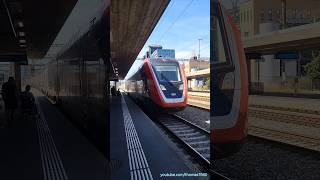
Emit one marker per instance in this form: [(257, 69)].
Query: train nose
[(172, 90)]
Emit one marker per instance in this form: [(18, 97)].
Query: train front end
[(170, 85)]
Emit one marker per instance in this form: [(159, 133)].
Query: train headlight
[(181, 87), (162, 87)]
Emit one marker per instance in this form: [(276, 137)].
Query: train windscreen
[(168, 73)]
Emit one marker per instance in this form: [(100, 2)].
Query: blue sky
[(180, 28)]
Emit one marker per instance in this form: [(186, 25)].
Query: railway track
[(201, 98), (285, 117), (285, 137), (193, 137), (199, 101), (298, 118), (277, 115)]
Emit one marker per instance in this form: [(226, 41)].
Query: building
[(152, 48), (195, 64), (156, 51), (258, 17), (165, 53), (234, 13), (254, 14)]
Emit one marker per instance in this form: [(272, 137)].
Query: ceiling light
[(20, 24), (22, 41), (21, 34)]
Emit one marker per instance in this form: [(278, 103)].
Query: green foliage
[(207, 82), (313, 69)]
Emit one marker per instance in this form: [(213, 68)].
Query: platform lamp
[(199, 54)]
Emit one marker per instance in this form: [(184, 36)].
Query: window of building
[(289, 13), (244, 16), (270, 14), (300, 13), (278, 15), (246, 34), (262, 15), (247, 19), (309, 13), (304, 13)]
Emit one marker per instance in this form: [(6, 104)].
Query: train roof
[(138, 63), (161, 59)]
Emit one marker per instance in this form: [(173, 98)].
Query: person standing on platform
[(113, 91), (28, 106), (10, 98)]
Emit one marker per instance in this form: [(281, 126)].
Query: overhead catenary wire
[(192, 44), (166, 12), (173, 23)]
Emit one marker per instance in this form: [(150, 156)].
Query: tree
[(313, 68)]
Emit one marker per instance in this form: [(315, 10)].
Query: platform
[(142, 149), (306, 105), (47, 147)]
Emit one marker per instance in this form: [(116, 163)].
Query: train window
[(220, 47), (167, 73), (222, 68), (221, 54)]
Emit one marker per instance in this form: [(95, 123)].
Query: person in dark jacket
[(10, 97), (27, 100), (113, 91)]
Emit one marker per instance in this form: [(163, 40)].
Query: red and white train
[(158, 83), (229, 85)]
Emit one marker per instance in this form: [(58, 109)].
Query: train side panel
[(229, 90)]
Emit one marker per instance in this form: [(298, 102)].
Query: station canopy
[(29, 27)]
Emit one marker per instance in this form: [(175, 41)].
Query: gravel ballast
[(197, 116), (261, 159)]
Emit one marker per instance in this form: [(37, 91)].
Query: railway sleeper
[(200, 144), (188, 135), (207, 156), (173, 124), (174, 128), (203, 150), (181, 132), (195, 138)]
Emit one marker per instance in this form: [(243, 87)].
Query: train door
[(229, 93)]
